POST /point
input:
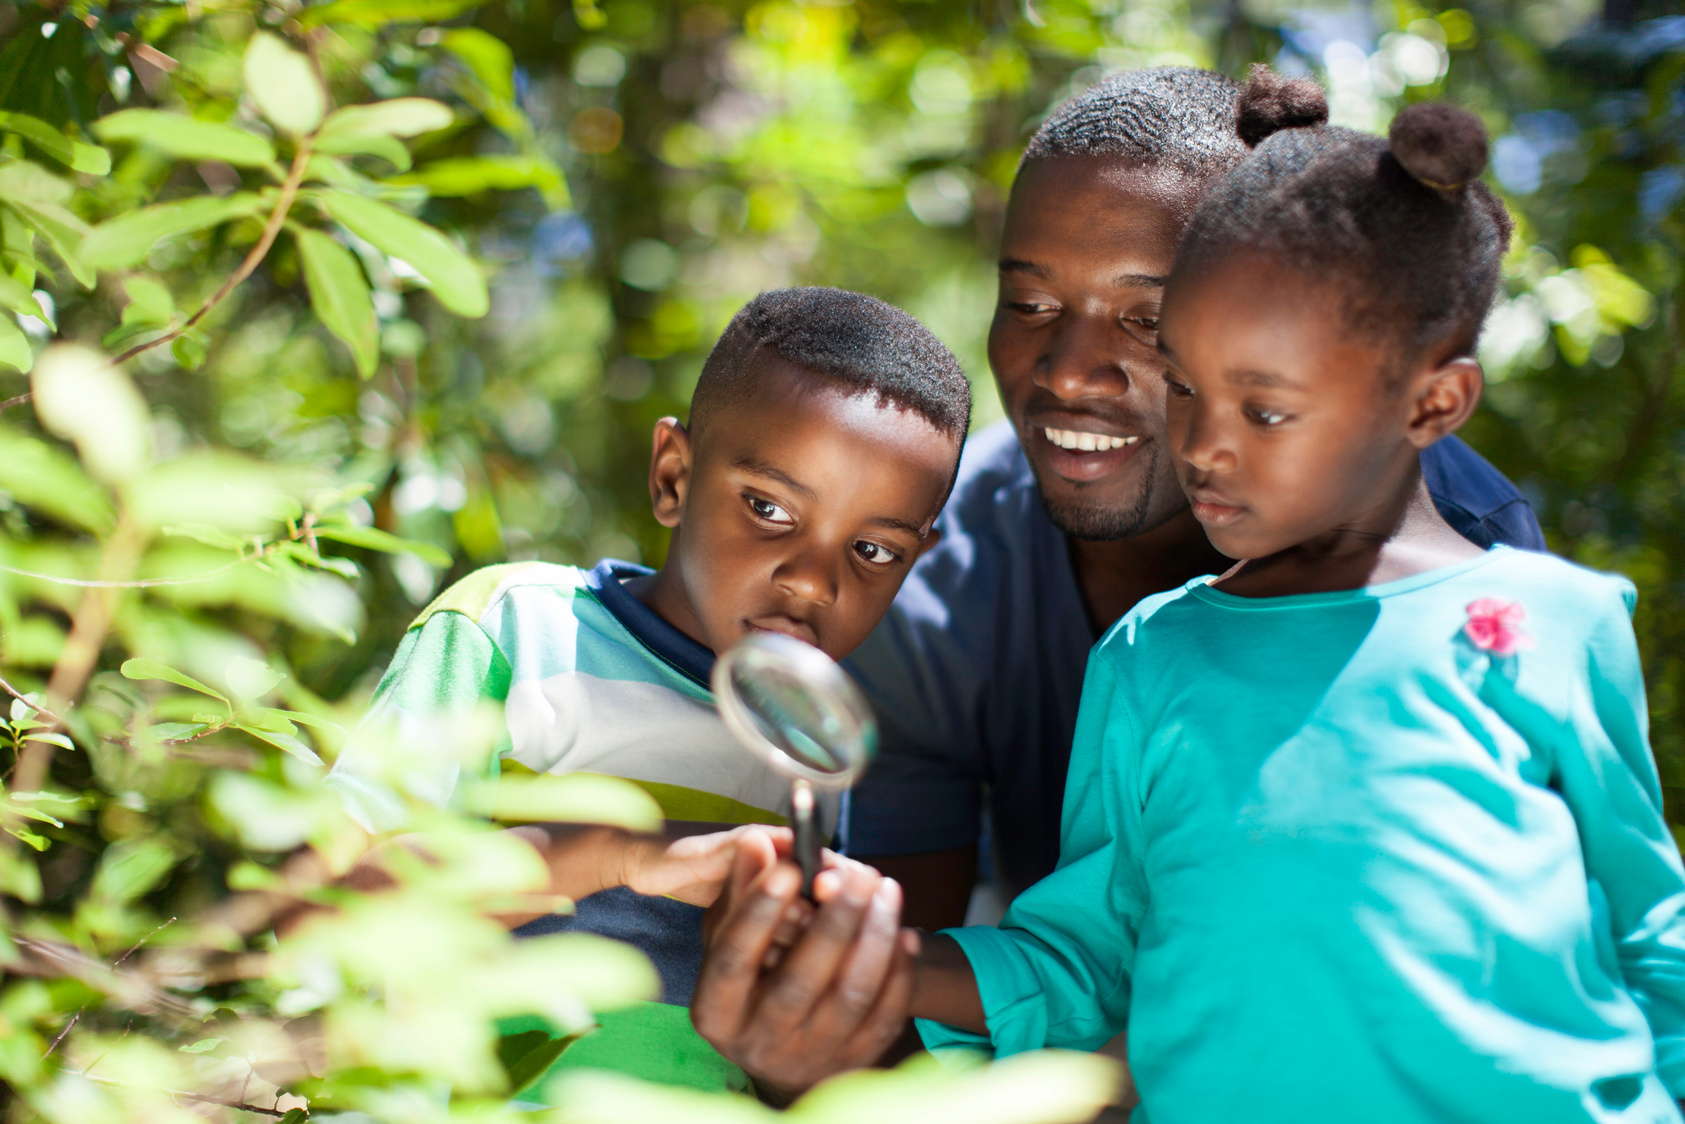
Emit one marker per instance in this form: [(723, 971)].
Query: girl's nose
[(1204, 443)]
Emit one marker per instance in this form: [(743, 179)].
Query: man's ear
[(1445, 398), (670, 460)]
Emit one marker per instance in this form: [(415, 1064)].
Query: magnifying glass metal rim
[(816, 668)]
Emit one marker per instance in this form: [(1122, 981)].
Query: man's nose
[(808, 575), (1083, 360)]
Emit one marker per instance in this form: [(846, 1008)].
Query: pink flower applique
[(1495, 626)]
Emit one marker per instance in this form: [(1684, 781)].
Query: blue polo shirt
[(977, 669)]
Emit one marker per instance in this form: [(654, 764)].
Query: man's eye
[(1178, 389), (768, 510), (875, 554), (1149, 323), (1031, 308)]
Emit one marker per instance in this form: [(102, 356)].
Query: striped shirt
[(589, 679)]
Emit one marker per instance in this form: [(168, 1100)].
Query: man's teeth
[(1087, 442)]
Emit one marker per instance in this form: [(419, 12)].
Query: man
[(1064, 516)]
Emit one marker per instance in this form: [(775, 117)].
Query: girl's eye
[(1267, 418), (768, 510), (875, 554)]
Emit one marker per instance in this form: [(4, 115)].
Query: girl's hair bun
[(1441, 145), (1270, 102)]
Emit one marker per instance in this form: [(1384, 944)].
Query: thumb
[(755, 853)]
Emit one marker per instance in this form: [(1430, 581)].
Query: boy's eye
[(769, 511), (875, 554)]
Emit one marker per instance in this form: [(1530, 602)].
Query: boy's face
[(798, 510), (1280, 422), (1087, 245)]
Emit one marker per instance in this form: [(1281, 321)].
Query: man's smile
[(1081, 448)]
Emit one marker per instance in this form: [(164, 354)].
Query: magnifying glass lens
[(791, 715)]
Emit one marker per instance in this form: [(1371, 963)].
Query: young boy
[(823, 438)]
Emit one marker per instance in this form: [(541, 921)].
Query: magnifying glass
[(794, 708)]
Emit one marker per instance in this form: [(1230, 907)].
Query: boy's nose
[(807, 577)]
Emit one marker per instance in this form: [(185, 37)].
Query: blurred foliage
[(398, 288)]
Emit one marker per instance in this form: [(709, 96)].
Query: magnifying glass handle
[(807, 833)]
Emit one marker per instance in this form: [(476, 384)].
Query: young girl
[(1368, 828)]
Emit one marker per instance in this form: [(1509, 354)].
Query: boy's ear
[(931, 538), (1445, 399), (670, 460)]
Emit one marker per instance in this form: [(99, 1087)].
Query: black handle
[(807, 833)]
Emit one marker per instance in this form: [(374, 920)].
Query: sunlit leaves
[(377, 13), (284, 85), (125, 240), (36, 473), (454, 279), (576, 798), (81, 397), (373, 129), (14, 345), (339, 296), (18, 298), (72, 153), (470, 175), (139, 668), (186, 138), (372, 538)]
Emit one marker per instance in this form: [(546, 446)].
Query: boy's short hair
[(867, 345)]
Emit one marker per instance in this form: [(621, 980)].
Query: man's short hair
[(858, 341), (1171, 115)]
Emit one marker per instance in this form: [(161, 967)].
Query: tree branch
[(17, 401), (283, 205)]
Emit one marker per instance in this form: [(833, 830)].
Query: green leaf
[(284, 742), (186, 138), (399, 117), (250, 679), (145, 669), (174, 731), (19, 298), (72, 153), (14, 345), (41, 476), (470, 175), (122, 242), (131, 868), (39, 842), (51, 739), (526, 1056), (339, 296), (149, 304), (389, 149), (203, 1046), (575, 798), (61, 230), (377, 13), (24, 179), (284, 85), (81, 397), (487, 57), (372, 538), (455, 280)]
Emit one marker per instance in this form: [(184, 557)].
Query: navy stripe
[(677, 650)]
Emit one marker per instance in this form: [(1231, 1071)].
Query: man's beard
[(1098, 522)]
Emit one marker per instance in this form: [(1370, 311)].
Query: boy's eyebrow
[(898, 525), (1019, 265), (761, 468)]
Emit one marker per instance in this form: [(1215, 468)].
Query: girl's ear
[(1446, 398), (670, 461)]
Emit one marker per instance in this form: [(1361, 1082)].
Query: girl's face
[(1280, 422)]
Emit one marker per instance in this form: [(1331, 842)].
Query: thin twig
[(289, 190), (62, 1033), (36, 707), (10, 402), (143, 583), (200, 1097), (142, 941)]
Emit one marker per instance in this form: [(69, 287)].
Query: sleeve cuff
[(1013, 995)]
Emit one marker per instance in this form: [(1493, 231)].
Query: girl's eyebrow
[(1249, 377)]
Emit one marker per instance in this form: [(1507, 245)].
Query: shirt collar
[(671, 646)]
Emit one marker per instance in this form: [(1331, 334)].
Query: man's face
[(802, 509), (1280, 422), (1087, 246)]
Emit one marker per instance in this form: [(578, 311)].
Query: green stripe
[(681, 803), (472, 595), (652, 1041)]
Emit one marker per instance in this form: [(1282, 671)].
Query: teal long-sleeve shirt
[(1326, 857)]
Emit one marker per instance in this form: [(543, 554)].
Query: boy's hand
[(693, 869)]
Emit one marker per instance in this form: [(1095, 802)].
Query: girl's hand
[(693, 869)]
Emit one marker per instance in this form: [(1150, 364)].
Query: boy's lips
[(787, 626)]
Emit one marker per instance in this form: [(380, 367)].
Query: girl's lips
[(1215, 514)]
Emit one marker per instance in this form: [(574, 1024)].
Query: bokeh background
[(672, 158)]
